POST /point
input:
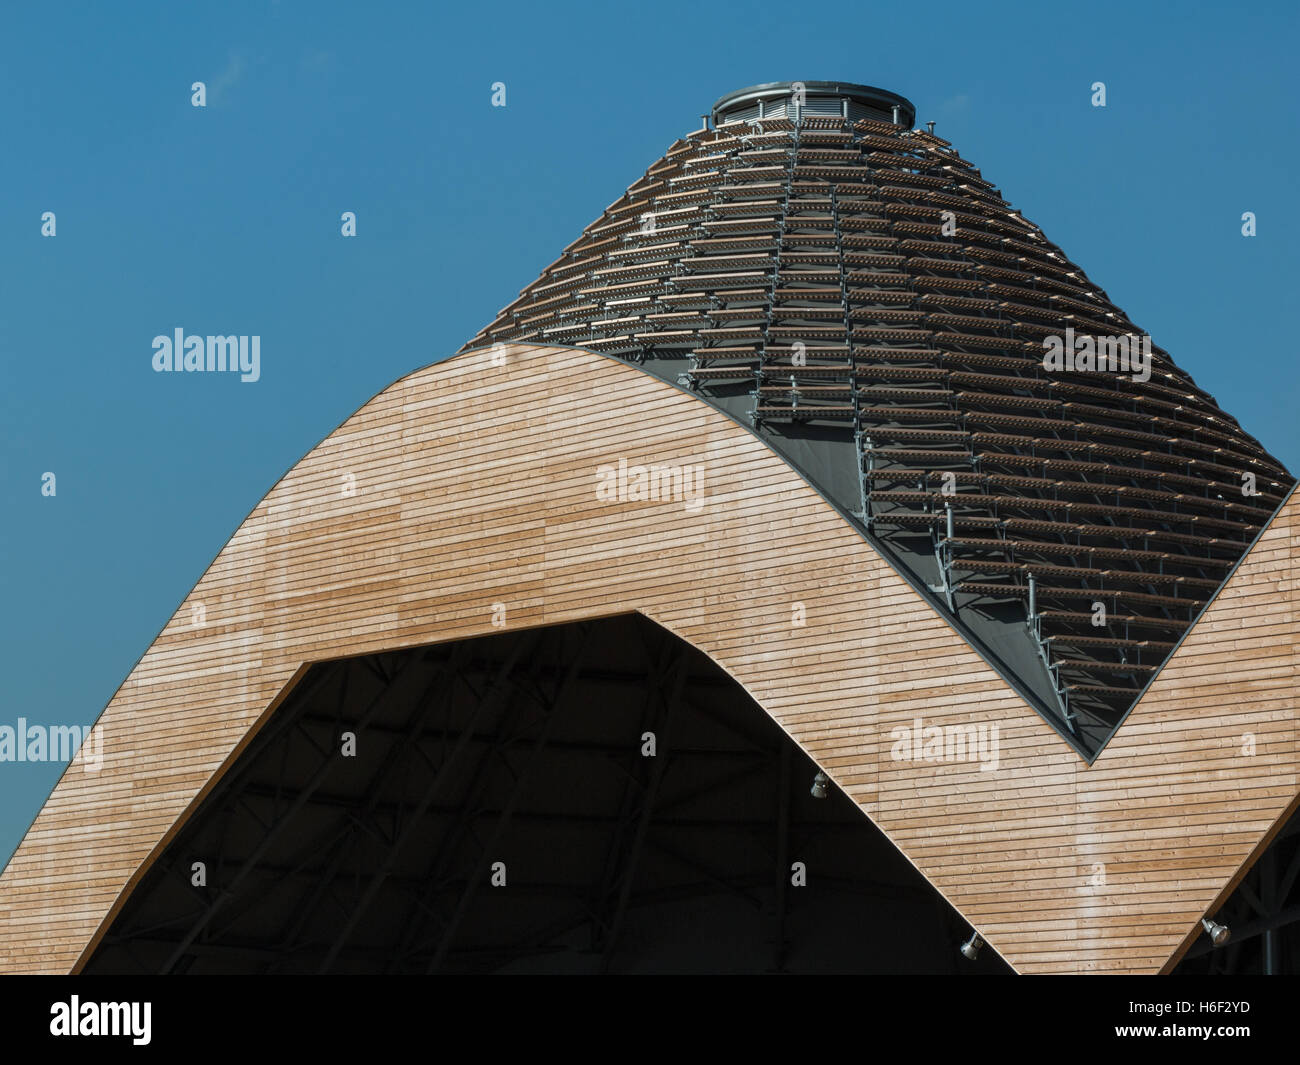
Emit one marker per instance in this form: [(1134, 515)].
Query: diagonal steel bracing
[(408, 679), (552, 716)]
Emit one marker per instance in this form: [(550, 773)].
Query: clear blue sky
[(226, 220)]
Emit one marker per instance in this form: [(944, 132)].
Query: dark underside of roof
[(502, 812)]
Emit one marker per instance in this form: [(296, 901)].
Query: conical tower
[(859, 294)]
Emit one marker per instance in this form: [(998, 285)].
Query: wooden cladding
[(467, 492)]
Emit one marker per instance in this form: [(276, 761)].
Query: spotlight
[(819, 785), (1219, 933), (971, 948)]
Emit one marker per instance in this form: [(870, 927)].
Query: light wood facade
[(470, 484)]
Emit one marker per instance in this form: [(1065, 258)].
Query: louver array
[(858, 293)]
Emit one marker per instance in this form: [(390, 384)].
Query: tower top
[(784, 99)]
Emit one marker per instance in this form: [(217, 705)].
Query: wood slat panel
[(475, 485)]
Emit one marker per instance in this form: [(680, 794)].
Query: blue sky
[(225, 219)]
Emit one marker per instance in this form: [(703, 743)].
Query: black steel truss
[(526, 748)]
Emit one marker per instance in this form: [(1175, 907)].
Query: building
[(811, 476)]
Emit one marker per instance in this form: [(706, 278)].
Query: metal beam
[(603, 899), (399, 753), (443, 853), (405, 675), (676, 682), (552, 716), (438, 781), (782, 855)]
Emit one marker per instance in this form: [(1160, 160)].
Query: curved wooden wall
[(475, 485)]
